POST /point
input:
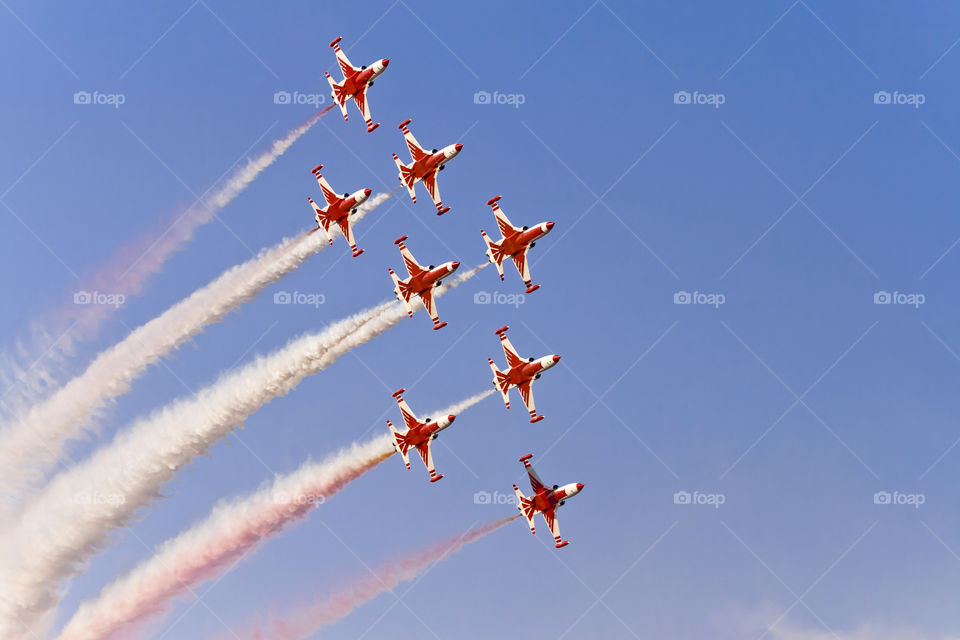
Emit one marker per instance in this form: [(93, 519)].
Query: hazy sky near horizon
[(752, 283)]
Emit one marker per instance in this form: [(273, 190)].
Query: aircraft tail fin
[(501, 381), (525, 506), (494, 252), (402, 289), (400, 443)]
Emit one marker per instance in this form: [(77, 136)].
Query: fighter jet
[(424, 166), (520, 373), (355, 84), (418, 435), (515, 244), (338, 210), (421, 282), (544, 501)]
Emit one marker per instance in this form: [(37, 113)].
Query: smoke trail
[(233, 529), (54, 338), (71, 518), (308, 619), (32, 446)]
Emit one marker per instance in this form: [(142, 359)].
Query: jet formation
[(422, 281)]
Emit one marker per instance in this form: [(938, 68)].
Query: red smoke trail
[(125, 274), (307, 620)]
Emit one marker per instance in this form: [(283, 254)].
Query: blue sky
[(797, 199)]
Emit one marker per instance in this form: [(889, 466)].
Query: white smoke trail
[(71, 518), (53, 339), (210, 548), (305, 621), (31, 446)]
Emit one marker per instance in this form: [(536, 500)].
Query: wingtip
[(493, 200), (439, 326), (404, 123), (396, 394), (502, 330), (336, 40), (399, 240)]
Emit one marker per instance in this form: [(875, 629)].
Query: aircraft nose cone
[(451, 418), (556, 358), (549, 225), (385, 61), (454, 266), (367, 192), (458, 146), (579, 486)]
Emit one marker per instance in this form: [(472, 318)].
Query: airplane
[(419, 435), (520, 373), (515, 244), (355, 84), (421, 282), (424, 166), (338, 209), (544, 501)]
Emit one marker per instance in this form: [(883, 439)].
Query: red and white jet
[(520, 373), (355, 83), (515, 244), (424, 167), (338, 209), (419, 435), (544, 501), (421, 282)]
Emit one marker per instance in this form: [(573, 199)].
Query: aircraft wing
[(427, 456), (428, 303), (409, 417), (328, 193), (360, 97), (345, 66), (526, 393), (520, 259), (416, 151), (550, 517), (502, 221), (513, 359), (535, 482), (430, 182), (413, 267), (347, 230)]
